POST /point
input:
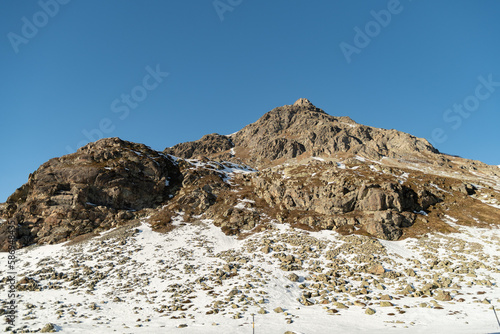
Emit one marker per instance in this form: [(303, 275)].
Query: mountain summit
[(303, 103), (302, 130)]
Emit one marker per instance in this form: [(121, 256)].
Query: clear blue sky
[(84, 67)]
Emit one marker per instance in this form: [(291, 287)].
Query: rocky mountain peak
[(299, 106), (302, 130), (303, 103)]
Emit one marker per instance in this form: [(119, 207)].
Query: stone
[(443, 296), (385, 297), (376, 269), (340, 305), (370, 311), (48, 328)]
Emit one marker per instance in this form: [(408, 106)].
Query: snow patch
[(438, 188), (398, 247), (241, 203)]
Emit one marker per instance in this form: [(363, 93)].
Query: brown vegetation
[(161, 221)]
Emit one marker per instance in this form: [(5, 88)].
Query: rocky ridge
[(303, 130), (100, 186)]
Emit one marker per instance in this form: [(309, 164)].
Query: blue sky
[(164, 72)]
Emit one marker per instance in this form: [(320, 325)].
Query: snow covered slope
[(195, 279)]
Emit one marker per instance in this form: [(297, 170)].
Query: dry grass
[(161, 221), (82, 238)]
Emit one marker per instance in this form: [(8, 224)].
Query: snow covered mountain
[(305, 220)]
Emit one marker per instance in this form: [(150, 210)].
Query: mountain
[(302, 130), (301, 221), (295, 165)]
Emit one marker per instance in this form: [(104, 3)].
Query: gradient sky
[(78, 70)]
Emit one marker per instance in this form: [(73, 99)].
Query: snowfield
[(195, 279)]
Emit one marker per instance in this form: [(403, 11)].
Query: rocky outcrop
[(302, 127), (99, 186), (293, 130), (208, 145), (383, 208), (388, 224)]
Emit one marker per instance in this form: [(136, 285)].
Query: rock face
[(207, 145), (100, 185), (295, 165), (293, 130), (319, 197)]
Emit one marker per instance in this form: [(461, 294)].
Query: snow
[(226, 169), (341, 165), (399, 247), (318, 158), (349, 125), (493, 202), (195, 245), (405, 176), (232, 152), (241, 203), (363, 159), (438, 188), (168, 156), (137, 152)]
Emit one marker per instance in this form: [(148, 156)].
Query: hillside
[(325, 218)]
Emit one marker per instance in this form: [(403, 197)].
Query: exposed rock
[(207, 145), (443, 296), (387, 224), (370, 311), (48, 328), (377, 269), (291, 130), (96, 187), (112, 182)]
